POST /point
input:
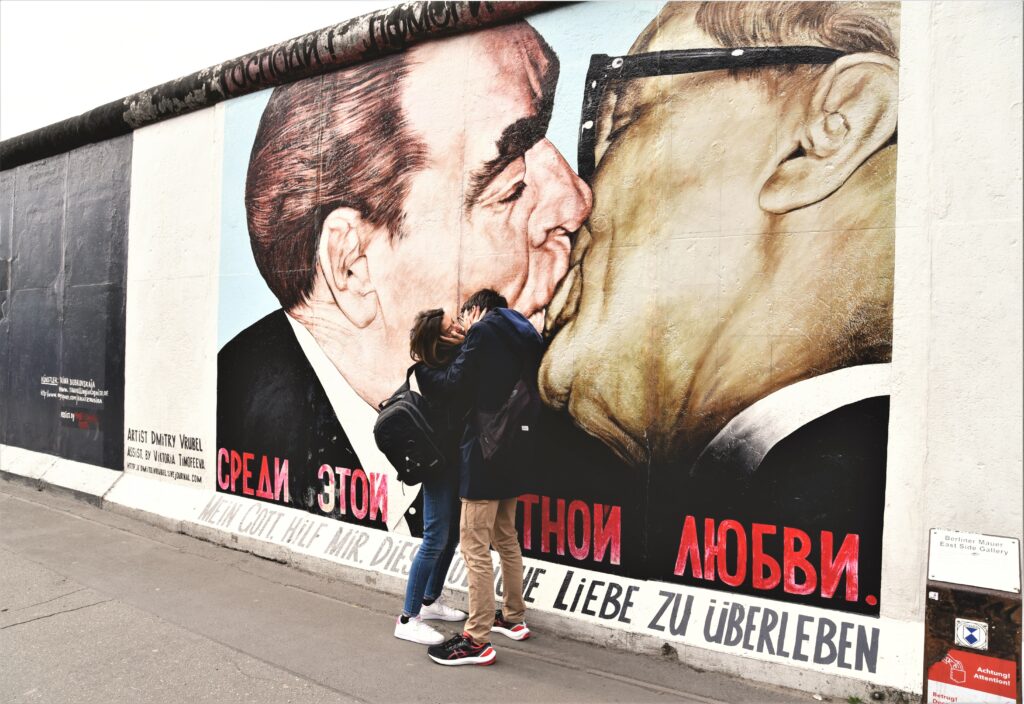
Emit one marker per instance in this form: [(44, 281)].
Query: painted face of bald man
[(741, 239)]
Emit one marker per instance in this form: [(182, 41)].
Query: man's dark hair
[(336, 140), (484, 299)]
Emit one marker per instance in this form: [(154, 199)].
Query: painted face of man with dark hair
[(493, 206), (741, 239)]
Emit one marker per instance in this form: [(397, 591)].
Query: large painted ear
[(344, 266), (852, 113)]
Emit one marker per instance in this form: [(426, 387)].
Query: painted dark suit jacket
[(828, 475), (271, 403)]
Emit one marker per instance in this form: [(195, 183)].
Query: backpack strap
[(409, 381)]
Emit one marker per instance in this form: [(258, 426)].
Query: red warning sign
[(963, 677)]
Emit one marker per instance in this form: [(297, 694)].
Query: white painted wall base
[(187, 510), (79, 478)]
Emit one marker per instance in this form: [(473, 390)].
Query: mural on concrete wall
[(713, 276), (63, 248)]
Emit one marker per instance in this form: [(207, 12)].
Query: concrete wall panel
[(66, 304), (172, 299)]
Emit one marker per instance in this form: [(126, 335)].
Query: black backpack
[(510, 423), (406, 435)]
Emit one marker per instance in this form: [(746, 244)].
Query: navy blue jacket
[(497, 352), (448, 415)]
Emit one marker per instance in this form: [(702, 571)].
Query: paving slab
[(109, 608)]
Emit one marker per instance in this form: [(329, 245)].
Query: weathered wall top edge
[(361, 38)]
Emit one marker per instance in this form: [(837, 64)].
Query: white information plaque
[(974, 559)]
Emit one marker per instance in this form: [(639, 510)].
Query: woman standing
[(434, 341)]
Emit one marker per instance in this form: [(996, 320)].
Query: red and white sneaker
[(515, 631), (462, 650)]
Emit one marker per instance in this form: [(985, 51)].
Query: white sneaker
[(418, 632), (440, 611)]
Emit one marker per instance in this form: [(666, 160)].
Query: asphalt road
[(99, 607)]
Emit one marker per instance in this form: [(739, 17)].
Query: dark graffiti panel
[(6, 226), (38, 231), (92, 351), (65, 305), (32, 407), (96, 229)]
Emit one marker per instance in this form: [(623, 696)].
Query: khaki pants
[(483, 524)]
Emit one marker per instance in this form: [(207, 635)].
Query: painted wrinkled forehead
[(850, 26), (509, 61), (675, 27), (519, 45), (466, 82)]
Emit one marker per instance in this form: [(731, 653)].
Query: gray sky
[(60, 58)]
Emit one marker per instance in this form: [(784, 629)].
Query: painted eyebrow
[(515, 141)]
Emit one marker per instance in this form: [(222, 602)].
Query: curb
[(130, 495)]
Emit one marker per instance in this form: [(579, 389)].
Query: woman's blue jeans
[(440, 535)]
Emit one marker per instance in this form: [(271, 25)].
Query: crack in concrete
[(625, 679), (148, 538), (250, 675), (55, 613), (61, 596), (543, 657), (310, 679)]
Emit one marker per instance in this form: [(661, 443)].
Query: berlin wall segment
[(713, 455), (614, 512), (623, 519), (658, 492)]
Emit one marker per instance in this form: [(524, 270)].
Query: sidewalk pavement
[(99, 607)]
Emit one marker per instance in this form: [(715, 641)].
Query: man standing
[(372, 193), (501, 348)]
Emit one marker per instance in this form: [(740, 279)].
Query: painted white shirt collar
[(357, 419), (756, 429)]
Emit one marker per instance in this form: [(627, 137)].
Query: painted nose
[(564, 199)]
